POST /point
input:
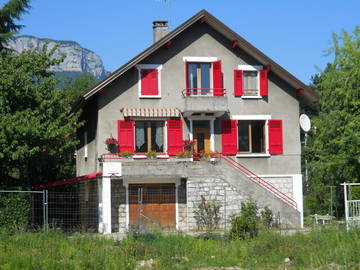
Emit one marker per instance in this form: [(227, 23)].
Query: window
[(149, 136), (203, 76), (199, 78), (149, 80), (250, 83), (251, 136)]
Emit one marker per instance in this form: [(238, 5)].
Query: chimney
[(160, 29)]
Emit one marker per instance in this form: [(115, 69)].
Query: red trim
[(202, 19), (234, 43), (263, 82), (70, 180), (299, 92)]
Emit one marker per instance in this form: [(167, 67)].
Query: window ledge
[(149, 96), (250, 97), (252, 155)]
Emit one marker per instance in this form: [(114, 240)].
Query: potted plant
[(204, 155), (151, 155), (112, 145), (127, 154), (184, 154), (188, 145)]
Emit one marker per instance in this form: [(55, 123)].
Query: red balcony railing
[(213, 92)]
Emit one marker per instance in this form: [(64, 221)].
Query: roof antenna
[(167, 11)]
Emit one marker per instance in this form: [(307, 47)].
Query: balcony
[(205, 100)]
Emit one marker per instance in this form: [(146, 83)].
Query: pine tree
[(10, 12)]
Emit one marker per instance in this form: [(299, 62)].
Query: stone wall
[(118, 206), (214, 190), (282, 183)]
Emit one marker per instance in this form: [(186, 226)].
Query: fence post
[(225, 208), (45, 210)]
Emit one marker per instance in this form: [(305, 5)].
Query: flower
[(111, 140)]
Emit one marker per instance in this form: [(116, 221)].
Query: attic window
[(149, 80)]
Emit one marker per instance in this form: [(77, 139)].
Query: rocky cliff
[(78, 59)]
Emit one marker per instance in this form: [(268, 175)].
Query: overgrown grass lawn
[(268, 251)]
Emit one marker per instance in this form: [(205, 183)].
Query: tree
[(73, 88), (10, 12), (334, 145), (37, 133)]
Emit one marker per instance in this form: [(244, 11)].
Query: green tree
[(10, 12), (73, 88), (37, 134), (334, 145)]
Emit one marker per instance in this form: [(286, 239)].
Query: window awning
[(151, 112)]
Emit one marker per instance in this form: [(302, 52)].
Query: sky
[(294, 33)]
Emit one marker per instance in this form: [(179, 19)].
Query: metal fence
[(67, 210), (23, 210)]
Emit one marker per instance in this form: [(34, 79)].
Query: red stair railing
[(259, 180)]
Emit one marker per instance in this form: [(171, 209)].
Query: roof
[(308, 92), (68, 181)]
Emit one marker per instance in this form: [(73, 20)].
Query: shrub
[(267, 217), (207, 215), (14, 211), (245, 225)]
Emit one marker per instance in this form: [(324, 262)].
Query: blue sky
[(293, 33)]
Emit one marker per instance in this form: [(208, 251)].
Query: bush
[(246, 224), (14, 211), (207, 215), (267, 219)]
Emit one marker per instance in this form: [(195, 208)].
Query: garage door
[(152, 206)]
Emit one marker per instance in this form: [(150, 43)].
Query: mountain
[(77, 61)]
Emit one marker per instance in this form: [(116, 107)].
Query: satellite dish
[(305, 123)]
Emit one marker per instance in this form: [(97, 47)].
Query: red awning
[(68, 181)]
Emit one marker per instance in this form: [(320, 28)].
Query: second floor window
[(149, 136), (199, 78), (250, 83)]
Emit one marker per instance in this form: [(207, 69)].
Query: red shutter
[(263, 82), (187, 78), (126, 135), (175, 136), (149, 82), (217, 76), (238, 83), (275, 137), (229, 137)]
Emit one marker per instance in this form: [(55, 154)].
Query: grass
[(268, 251)]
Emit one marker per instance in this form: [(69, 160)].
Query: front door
[(152, 206), (202, 139)]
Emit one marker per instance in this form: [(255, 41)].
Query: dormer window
[(250, 81)]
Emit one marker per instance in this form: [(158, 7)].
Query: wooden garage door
[(152, 206)]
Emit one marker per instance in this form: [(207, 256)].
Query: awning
[(151, 112)]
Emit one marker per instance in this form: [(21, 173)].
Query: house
[(204, 83)]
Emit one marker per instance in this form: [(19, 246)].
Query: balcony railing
[(203, 92)]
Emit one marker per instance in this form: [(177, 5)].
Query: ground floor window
[(251, 136), (149, 136)]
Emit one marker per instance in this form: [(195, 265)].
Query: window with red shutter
[(275, 137), (217, 77), (126, 136), (174, 136), (229, 137), (263, 82), (238, 83), (149, 80), (251, 81)]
